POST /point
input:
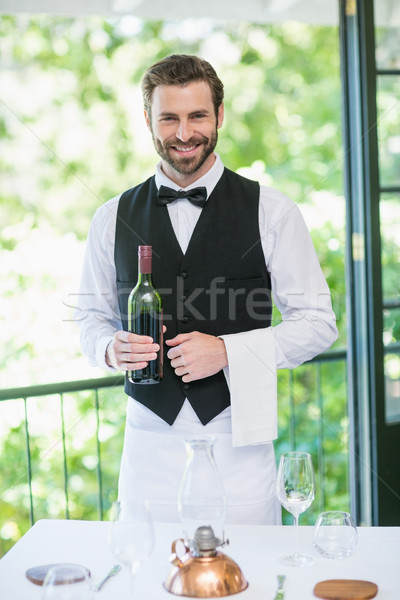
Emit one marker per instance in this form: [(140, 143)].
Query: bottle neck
[(144, 278)]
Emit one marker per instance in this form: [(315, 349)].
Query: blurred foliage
[(313, 417), (79, 127), (72, 135), (388, 130), (48, 417), (72, 126)]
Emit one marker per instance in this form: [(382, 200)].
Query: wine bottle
[(145, 317)]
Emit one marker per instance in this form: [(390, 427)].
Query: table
[(255, 548)]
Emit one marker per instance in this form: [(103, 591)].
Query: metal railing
[(309, 405), (300, 391), (61, 389)]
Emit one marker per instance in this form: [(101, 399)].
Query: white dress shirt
[(299, 291)]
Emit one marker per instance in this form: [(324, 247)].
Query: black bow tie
[(197, 196)]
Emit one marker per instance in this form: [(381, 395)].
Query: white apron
[(154, 458)]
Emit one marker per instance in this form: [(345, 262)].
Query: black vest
[(220, 286)]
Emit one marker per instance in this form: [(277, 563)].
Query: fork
[(280, 594), (113, 571)]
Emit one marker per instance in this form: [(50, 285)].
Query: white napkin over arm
[(251, 377)]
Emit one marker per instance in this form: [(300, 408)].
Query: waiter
[(222, 248)]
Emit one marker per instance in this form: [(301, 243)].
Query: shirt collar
[(209, 179)]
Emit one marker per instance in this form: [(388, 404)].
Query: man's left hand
[(197, 355)]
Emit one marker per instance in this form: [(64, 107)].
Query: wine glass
[(131, 536), (67, 582), (295, 489)]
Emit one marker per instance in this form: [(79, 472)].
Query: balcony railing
[(91, 414), (61, 390)]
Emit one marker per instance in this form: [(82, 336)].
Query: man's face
[(184, 129)]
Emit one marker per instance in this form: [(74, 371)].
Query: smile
[(185, 149)]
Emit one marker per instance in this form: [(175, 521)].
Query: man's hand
[(130, 352), (197, 355)]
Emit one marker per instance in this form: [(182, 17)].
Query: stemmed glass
[(295, 489), (131, 536)]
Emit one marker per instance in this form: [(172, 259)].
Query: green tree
[(72, 136)]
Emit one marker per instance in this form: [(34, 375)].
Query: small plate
[(38, 574), (346, 589)]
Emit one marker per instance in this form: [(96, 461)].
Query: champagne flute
[(131, 536), (295, 489)]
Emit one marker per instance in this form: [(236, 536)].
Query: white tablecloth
[(255, 548)]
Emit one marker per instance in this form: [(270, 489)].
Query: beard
[(183, 165)]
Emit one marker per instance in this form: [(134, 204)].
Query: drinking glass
[(131, 536), (335, 534), (295, 489), (67, 582)]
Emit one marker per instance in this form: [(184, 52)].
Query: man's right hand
[(130, 352)]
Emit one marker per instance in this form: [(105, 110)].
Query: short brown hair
[(181, 69)]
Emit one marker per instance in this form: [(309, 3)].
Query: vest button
[(185, 319), (186, 386), (184, 274)]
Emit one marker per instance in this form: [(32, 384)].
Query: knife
[(280, 593)]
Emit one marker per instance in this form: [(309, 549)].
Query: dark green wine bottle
[(145, 317)]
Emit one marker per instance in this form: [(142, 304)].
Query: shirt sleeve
[(308, 325), (97, 313)]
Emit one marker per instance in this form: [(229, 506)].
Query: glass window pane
[(387, 34), (391, 326), (392, 385), (390, 221), (388, 100), (390, 226)]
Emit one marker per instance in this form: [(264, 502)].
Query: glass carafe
[(202, 499)]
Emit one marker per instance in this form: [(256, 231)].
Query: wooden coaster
[(345, 589), (38, 574)]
